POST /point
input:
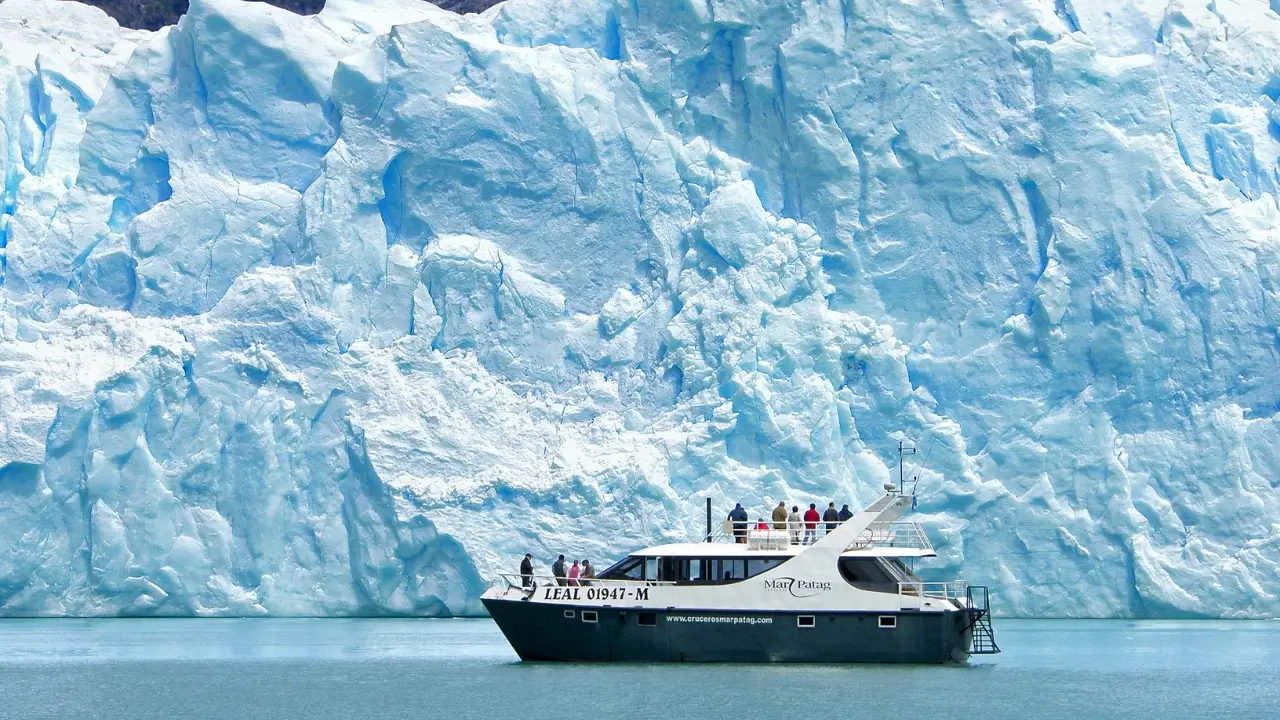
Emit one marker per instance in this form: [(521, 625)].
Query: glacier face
[(342, 314)]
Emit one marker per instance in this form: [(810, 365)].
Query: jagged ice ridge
[(342, 314)]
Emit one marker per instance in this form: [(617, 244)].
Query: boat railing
[(904, 534), (897, 534), (913, 594), (518, 581)]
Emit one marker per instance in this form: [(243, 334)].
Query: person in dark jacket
[(831, 517), (738, 517), (557, 569), (845, 514), (526, 571)]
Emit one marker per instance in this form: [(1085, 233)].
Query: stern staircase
[(978, 602)]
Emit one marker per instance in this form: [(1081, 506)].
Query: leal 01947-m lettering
[(595, 593)]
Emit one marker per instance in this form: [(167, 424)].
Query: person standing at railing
[(794, 524), (831, 517), (780, 516), (574, 573), (845, 514), (526, 571), (811, 518), (738, 516), (557, 569), (588, 572)]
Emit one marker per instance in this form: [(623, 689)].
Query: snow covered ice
[(342, 314)]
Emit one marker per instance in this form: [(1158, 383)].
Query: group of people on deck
[(577, 575), (803, 528)]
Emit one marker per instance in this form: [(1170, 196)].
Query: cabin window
[(864, 571), (755, 566), (568, 613), (888, 621), (651, 568), (647, 619), (669, 569), (805, 621), (693, 571), (590, 616), (730, 569), (631, 568)]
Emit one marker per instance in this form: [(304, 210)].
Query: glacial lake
[(392, 668)]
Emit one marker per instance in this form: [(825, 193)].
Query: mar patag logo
[(797, 588)]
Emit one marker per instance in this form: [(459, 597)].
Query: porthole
[(590, 616), (805, 621), (888, 621), (568, 613)]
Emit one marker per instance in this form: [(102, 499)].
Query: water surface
[(312, 669)]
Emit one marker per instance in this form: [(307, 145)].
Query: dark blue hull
[(545, 631)]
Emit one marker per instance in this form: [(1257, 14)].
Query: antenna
[(903, 450)]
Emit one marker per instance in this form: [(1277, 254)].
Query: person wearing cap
[(526, 571)]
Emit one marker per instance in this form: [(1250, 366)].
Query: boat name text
[(595, 593), (797, 588)]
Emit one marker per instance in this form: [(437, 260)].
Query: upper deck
[(900, 538)]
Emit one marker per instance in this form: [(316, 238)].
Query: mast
[(902, 481)]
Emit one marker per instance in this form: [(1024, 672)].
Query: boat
[(754, 596)]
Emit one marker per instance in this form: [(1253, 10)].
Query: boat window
[(647, 619), (863, 570), (888, 621), (729, 569), (805, 621), (568, 613), (651, 568), (590, 616), (755, 566), (693, 571), (629, 568)]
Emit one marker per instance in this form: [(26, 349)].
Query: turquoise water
[(311, 669)]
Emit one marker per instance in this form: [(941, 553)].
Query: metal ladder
[(978, 601)]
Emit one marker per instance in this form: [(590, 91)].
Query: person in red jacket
[(811, 518)]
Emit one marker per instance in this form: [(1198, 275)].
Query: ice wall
[(343, 314)]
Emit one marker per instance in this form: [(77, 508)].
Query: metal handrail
[(906, 534), (897, 534), (725, 533), (953, 590), (515, 580)]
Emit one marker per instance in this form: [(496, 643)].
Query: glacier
[(342, 314)]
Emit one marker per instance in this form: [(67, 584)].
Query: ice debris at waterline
[(342, 314)]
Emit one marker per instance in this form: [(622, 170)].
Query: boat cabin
[(722, 564)]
